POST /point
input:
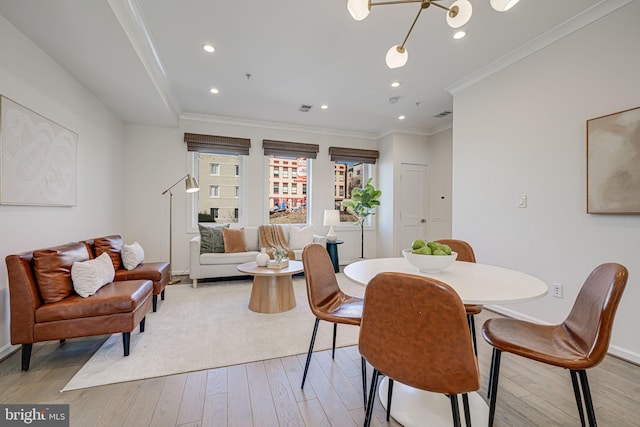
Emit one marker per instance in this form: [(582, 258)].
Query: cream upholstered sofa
[(212, 265)]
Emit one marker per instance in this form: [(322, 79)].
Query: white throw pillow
[(89, 276), (299, 237), (132, 255)]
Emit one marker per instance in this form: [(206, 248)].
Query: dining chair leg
[(455, 410), (313, 340), (472, 328), (467, 410), (335, 330), (389, 394), (364, 380), (588, 403), (493, 384), (578, 395), (371, 401)]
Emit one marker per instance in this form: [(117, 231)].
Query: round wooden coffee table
[(272, 290)]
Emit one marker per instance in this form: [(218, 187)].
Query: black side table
[(332, 248)]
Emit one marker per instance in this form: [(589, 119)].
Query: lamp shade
[(397, 56), (359, 9), (503, 5), (462, 16), (331, 217), (191, 184)]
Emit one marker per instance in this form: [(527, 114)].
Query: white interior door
[(413, 205)]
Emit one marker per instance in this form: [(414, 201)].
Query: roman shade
[(289, 149), (356, 155), (214, 144)]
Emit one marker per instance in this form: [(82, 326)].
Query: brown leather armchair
[(414, 330), (45, 307), (327, 301), (577, 344), (465, 253)]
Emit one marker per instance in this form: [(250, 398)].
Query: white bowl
[(429, 263)]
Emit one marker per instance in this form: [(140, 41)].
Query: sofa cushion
[(132, 255), (211, 239), (154, 271), (53, 270), (89, 276), (228, 259), (299, 237), (234, 240), (112, 245), (113, 298), (251, 238)]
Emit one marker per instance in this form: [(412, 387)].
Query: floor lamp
[(191, 186)]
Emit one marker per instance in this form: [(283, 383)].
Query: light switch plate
[(522, 201)]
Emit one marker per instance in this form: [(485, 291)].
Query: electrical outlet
[(556, 290)]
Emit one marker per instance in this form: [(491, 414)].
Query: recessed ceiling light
[(214, 90), (459, 34), (324, 106), (395, 84), (209, 48), (401, 117)]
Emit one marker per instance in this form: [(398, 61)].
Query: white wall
[(157, 157), (32, 79), (522, 131)]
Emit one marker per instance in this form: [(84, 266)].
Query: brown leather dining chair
[(577, 344), (414, 330), (327, 301), (465, 253)]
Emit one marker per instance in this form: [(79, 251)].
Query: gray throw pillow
[(211, 239)]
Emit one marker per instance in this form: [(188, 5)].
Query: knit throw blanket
[(272, 236)]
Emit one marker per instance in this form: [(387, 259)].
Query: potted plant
[(362, 204)]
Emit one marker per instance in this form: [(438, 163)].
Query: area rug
[(209, 327)]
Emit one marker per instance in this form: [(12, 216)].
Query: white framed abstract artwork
[(613, 163), (39, 159)]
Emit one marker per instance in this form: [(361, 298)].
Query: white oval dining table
[(475, 284)]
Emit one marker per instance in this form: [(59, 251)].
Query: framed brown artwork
[(613, 163)]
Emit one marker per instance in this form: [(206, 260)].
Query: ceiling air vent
[(304, 108), (445, 113)]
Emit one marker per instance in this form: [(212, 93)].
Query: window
[(276, 172), (219, 174), (288, 208), (352, 168), (217, 164), (276, 188)]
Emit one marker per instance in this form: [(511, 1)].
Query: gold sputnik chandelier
[(458, 14)]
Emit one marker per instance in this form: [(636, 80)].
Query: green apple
[(439, 252), (425, 250), (417, 244), (446, 249)]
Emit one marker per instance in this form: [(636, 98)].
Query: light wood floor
[(268, 393)]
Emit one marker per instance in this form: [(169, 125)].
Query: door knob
[(423, 220)]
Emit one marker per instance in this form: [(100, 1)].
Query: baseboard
[(614, 350), (7, 350)]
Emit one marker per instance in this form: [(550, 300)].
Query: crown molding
[(128, 14), (236, 121), (586, 17)]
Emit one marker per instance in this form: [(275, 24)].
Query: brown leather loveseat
[(44, 305), (157, 272)]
